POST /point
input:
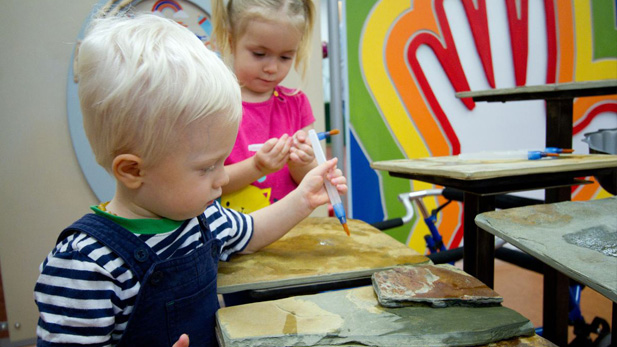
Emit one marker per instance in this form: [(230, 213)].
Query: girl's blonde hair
[(143, 81), (230, 23)]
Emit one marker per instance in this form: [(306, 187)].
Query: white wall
[(42, 188)]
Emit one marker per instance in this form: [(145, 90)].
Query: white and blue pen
[(335, 198)]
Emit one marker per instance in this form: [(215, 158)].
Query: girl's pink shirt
[(282, 114)]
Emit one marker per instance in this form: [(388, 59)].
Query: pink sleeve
[(305, 110)]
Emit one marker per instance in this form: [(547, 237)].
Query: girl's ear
[(127, 169)]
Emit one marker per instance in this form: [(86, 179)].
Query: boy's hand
[(312, 186), (273, 155), (183, 341), (272, 222), (301, 152)]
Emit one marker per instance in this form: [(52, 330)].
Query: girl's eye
[(286, 58), (259, 54)]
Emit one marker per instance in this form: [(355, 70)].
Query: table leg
[(556, 288), (559, 122), (478, 245), (614, 326), (555, 306), (556, 285)]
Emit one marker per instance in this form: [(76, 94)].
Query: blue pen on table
[(335, 198), (322, 135), (558, 150), (520, 154)]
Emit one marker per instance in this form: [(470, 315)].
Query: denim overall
[(177, 295)]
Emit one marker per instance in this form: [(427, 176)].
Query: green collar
[(140, 226)]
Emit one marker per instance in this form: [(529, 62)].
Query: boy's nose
[(222, 179)]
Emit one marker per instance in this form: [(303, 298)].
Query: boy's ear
[(127, 168)]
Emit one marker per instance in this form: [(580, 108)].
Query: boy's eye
[(209, 168)]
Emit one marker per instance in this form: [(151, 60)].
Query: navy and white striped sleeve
[(233, 228), (80, 295)]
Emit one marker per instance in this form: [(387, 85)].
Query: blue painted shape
[(365, 196), (206, 25)]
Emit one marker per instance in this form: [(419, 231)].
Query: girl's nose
[(270, 67)]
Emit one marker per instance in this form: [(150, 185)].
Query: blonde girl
[(262, 40)]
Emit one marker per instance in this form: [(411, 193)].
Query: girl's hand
[(183, 341), (301, 152), (312, 186), (273, 155)]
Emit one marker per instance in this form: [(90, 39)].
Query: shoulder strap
[(136, 253)]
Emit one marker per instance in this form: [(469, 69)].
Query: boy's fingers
[(326, 166)]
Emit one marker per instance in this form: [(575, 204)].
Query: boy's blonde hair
[(143, 80), (230, 22)]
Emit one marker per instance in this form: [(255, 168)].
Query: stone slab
[(455, 168), (316, 251), (354, 317), (527, 341), (434, 285), (577, 238), (544, 91), (531, 341)]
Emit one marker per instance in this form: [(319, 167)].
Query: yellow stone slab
[(316, 251), (453, 167)]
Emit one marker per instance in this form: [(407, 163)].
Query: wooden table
[(315, 255), (480, 181), (578, 239), (559, 118)]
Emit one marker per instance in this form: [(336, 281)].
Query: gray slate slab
[(355, 317), (577, 238)]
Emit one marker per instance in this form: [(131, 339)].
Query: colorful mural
[(406, 60)]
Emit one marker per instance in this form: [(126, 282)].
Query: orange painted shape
[(420, 19), (565, 20), (582, 105)]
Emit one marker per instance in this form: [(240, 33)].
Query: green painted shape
[(366, 120), (604, 28)]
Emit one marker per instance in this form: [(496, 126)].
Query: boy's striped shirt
[(86, 293)]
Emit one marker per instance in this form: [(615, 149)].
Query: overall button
[(215, 251), (141, 254), (156, 278)]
